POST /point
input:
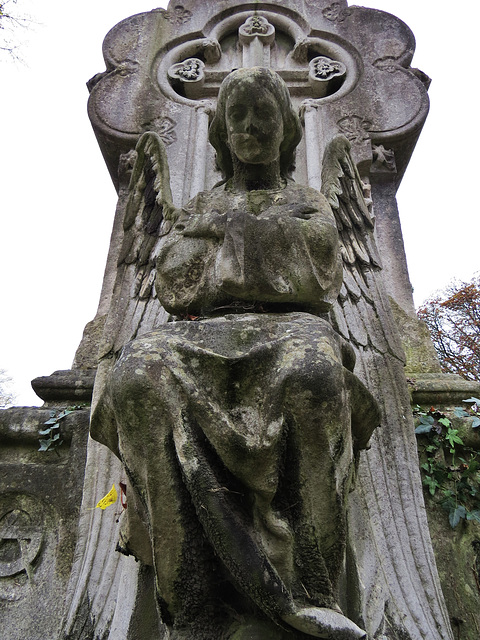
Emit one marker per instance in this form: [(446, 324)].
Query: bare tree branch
[(453, 319), (7, 396), (11, 24)]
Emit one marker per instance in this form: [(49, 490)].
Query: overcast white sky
[(57, 201)]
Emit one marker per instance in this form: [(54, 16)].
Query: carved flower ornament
[(256, 25), (190, 70), (179, 15), (324, 68)]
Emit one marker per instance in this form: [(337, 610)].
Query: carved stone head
[(255, 120)]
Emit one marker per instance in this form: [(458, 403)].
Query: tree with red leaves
[(453, 318)]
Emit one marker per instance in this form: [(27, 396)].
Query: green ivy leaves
[(456, 514), (426, 424), (451, 471), (53, 440), (451, 436), (474, 411)]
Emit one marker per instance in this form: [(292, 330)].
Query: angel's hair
[(272, 82)]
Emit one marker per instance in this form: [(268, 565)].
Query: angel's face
[(254, 124)]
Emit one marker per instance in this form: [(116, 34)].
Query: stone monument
[(247, 399), (250, 395)]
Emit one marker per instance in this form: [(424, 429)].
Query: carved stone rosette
[(325, 75), (190, 75)]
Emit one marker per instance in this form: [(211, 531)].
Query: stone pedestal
[(40, 498)]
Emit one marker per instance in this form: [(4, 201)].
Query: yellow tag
[(107, 500)]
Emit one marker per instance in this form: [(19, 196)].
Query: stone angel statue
[(240, 421)]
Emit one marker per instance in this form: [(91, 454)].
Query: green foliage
[(451, 471), (52, 440), (474, 411)]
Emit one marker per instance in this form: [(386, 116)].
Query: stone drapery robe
[(238, 423)]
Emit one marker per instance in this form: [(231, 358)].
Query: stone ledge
[(22, 424), (74, 385), (438, 389)]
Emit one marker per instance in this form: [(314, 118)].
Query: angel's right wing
[(149, 214), (149, 203), (134, 308)]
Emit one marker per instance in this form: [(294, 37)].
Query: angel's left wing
[(362, 313), (393, 564)]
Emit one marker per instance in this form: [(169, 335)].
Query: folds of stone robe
[(247, 425)]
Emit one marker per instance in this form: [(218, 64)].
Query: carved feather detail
[(362, 301), (149, 203)]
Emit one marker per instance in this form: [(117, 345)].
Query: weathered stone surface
[(22, 425), (252, 356), (420, 355), (86, 356), (457, 552), (289, 222), (125, 101), (40, 497), (440, 389)]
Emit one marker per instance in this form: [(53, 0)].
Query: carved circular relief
[(21, 539)]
